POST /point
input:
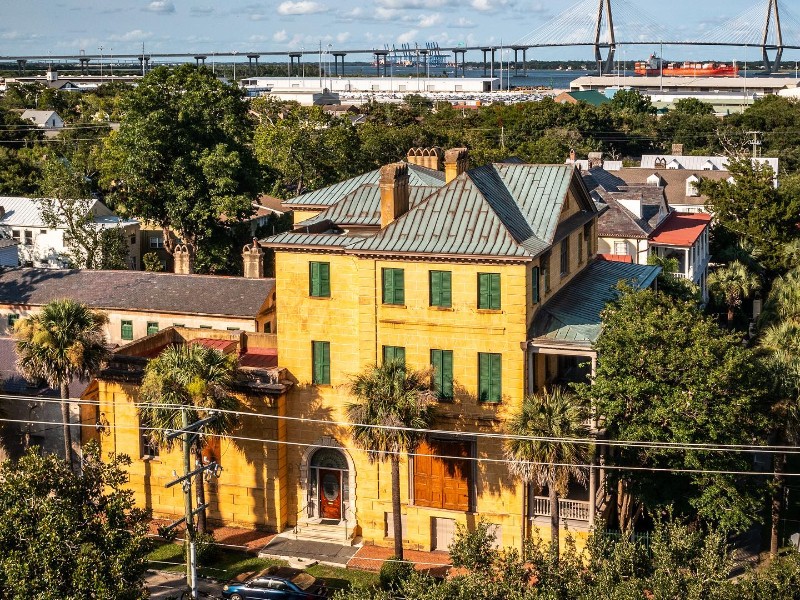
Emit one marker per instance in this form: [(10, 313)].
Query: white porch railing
[(576, 510)]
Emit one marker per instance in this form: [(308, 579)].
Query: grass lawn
[(230, 563)]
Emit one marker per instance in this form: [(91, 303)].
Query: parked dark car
[(278, 583)]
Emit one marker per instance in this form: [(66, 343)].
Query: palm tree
[(65, 341), (543, 451), (390, 396), (733, 283), (188, 383)]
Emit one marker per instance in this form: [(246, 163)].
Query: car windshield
[(303, 580)]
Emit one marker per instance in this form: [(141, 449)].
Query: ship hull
[(689, 72)]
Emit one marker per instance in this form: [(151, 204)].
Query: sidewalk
[(247, 540), (164, 584)]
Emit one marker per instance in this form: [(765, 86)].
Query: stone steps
[(317, 532)]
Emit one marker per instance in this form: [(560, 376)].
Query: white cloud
[(201, 11), (302, 7), (415, 4), (161, 6), (258, 17), (386, 14), (280, 36), (462, 23), (431, 20), (407, 37), (488, 5), (343, 37), (135, 35)]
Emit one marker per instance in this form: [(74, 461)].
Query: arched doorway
[(328, 484)]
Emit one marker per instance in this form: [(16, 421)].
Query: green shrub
[(206, 549), (394, 572)]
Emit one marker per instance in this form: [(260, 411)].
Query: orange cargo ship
[(656, 66)]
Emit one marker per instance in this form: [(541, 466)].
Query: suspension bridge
[(602, 25)]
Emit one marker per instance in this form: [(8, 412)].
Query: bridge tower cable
[(606, 66), (772, 14)]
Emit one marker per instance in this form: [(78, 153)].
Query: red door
[(330, 494)]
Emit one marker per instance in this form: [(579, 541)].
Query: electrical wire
[(476, 459), (658, 445)]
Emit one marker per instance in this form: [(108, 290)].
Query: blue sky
[(67, 26)]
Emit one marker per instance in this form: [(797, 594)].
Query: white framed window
[(621, 248), (156, 241)]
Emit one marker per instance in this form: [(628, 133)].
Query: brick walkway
[(248, 540), (370, 558)]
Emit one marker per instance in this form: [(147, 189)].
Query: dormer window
[(691, 186), (674, 164), (731, 180), (654, 179), (709, 166)]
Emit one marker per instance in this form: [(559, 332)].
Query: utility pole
[(755, 143), (190, 433)]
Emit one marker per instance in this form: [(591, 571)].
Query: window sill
[(442, 308), (151, 458), (310, 297), (385, 305), (489, 402), (490, 311)]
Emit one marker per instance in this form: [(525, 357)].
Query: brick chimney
[(394, 192), (253, 257), (183, 255), (572, 156), (430, 158), (677, 149), (456, 161)]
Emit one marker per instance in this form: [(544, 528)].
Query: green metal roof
[(362, 207), (328, 196), (592, 97), (573, 314), (499, 210)]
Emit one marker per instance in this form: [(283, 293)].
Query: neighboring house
[(697, 163), (46, 119), (42, 246), (592, 97), (638, 222), (139, 303)]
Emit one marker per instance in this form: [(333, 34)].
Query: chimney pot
[(253, 259), (183, 256), (456, 162)]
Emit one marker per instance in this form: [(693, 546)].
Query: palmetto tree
[(390, 396), (733, 283), (64, 341), (188, 383), (542, 450)]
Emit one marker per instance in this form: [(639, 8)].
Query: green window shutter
[(441, 288), (483, 290), (127, 330), (489, 377), (325, 279), (394, 286), (442, 363), (496, 378), (394, 354), (152, 327), (483, 377), (321, 359), (535, 285), (489, 291), (494, 291), (12, 320), (319, 279)]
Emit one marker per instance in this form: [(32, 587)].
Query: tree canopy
[(668, 373), (183, 154), (68, 536)]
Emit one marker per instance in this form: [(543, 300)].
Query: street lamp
[(303, 63), (101, 62)]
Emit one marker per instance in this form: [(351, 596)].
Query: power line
[(476, 459), (658, 445)]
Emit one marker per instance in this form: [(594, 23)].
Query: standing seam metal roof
[(509, 210), (573, 314), (328, 196)]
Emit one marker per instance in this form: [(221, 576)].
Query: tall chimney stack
[(183, 255), (456, 162), (253, 258), (430, 158), (394, 192)]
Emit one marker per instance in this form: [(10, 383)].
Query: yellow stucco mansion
[(487, 275)]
